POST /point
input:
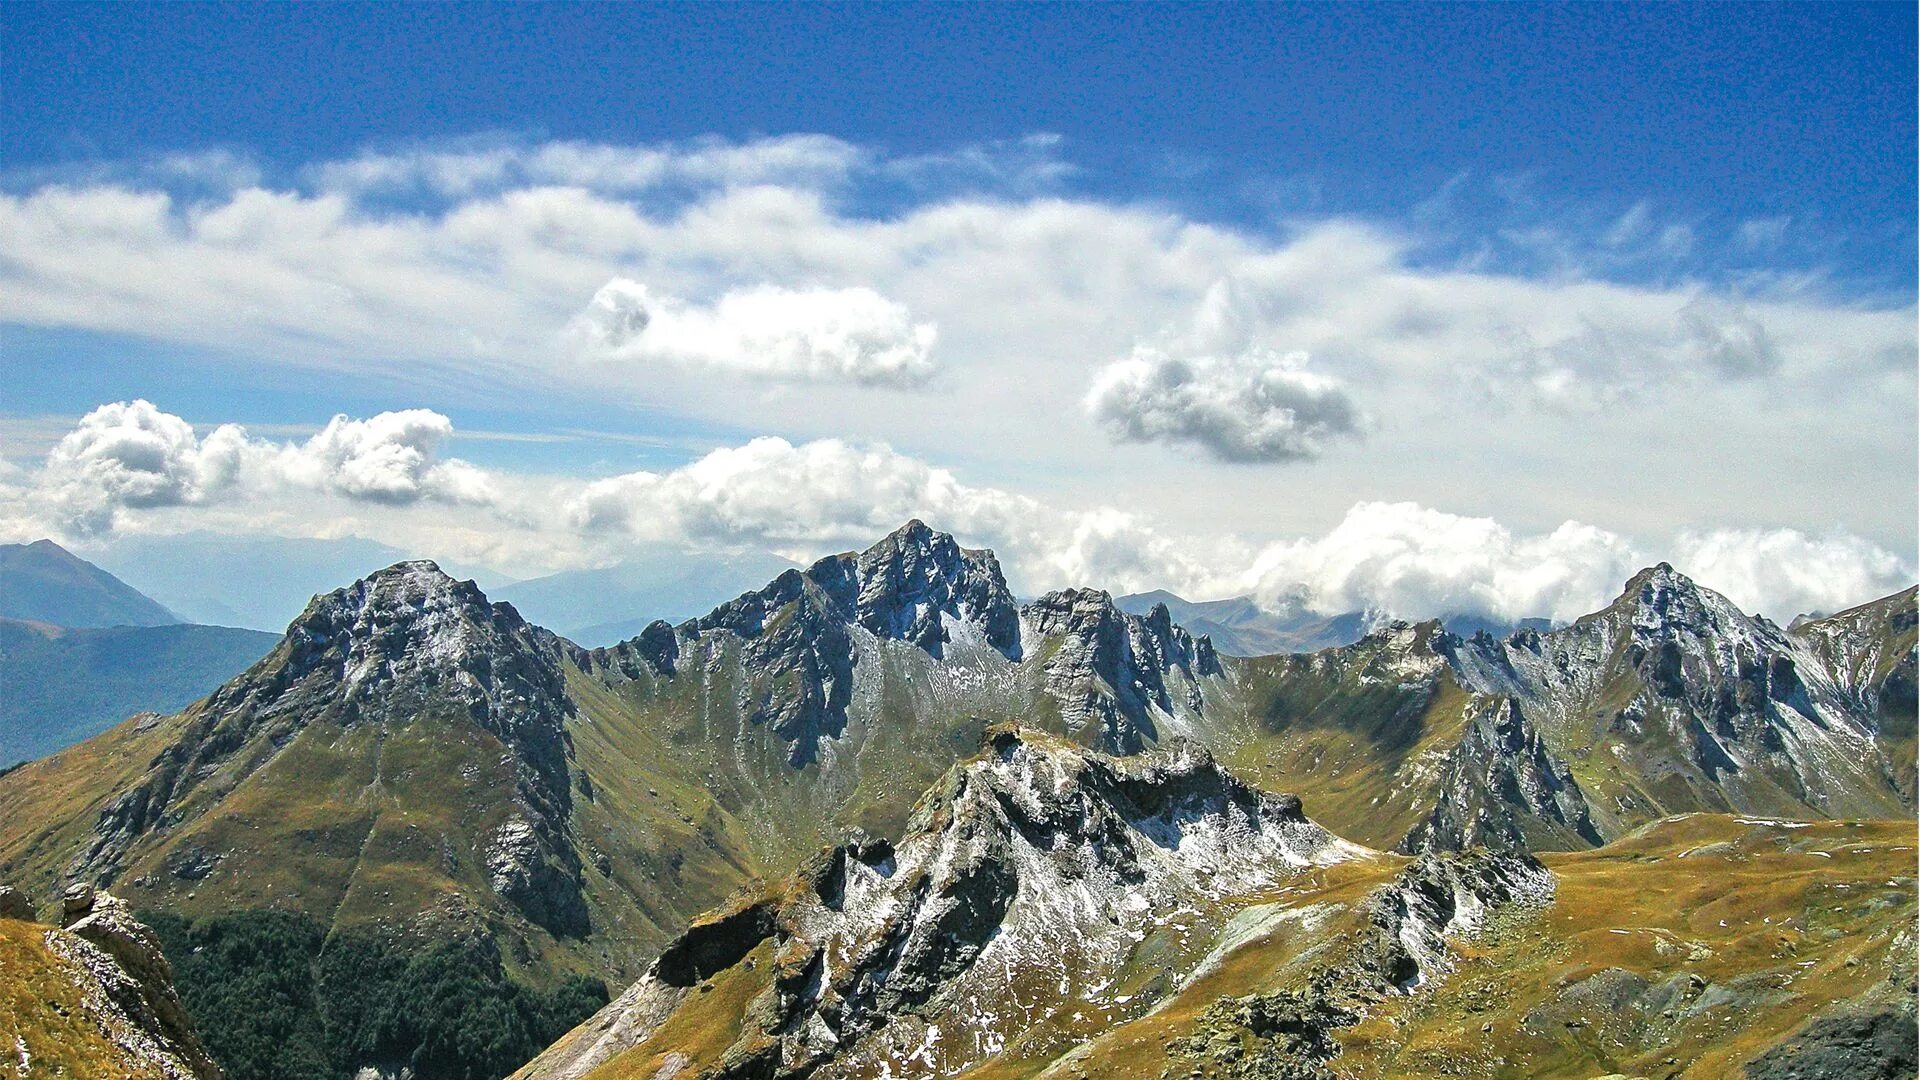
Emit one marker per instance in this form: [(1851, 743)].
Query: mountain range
[(1062, 808)]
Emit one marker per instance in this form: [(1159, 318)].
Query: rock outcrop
[(1500, 787), (1117, 676), (108, 994), (1406, 942), (1040, 866)]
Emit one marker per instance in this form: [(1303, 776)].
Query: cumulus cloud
[(770, 491), (1413, 561), (1409, 560), (854, 334), (1785, 572), (131, 456), (393, 457), (828, 494), (1257, 406)]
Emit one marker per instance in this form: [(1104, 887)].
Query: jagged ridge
[(1041, 863)]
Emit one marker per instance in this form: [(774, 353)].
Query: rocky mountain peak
[(413, 599), (920, 586), (1661, 600), (405, 646), (409, 631), (916, 585)]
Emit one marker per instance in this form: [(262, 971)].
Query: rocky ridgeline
[(1500, 787), (121, 982), (1040, 865), (405, 643), (1677, 675), (1115, 676)]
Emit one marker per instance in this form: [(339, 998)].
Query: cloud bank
[(131, 466), (130, 456)]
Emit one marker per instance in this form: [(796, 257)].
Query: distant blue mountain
[(59, 686), (614, 603), (45, 582)]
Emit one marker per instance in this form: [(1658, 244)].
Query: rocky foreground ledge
[(94, 997)]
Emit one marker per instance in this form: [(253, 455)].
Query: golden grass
[(42, 1009), (705, 1025)]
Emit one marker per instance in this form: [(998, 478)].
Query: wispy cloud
[(797, 303)]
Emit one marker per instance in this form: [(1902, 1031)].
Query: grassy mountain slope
[(1690, 948)]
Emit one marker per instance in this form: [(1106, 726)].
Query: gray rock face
[(1114, 672), (796, 654), (1041, 864), (131, 984), (1502, 788), (1876, 1045), (795, 641), (1719, 709), (910, 585), (405, 643), (15, 904), (1873, 654)]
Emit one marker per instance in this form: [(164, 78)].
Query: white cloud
[(1412, 561), (1551, 396), (771, 492), (1257, 406), (483, 166), (1785, 572), (131, 455), (826, 495), (851, 334), (1408, 560), (127, 457), (393, 457)]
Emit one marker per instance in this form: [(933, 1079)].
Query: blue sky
[(1225, 271), (1715, 114)]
